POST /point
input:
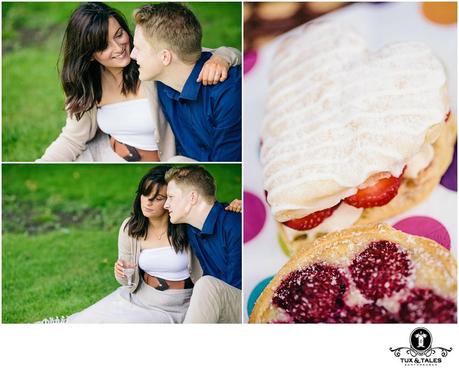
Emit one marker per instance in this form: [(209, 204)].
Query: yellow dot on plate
[(440, 13)]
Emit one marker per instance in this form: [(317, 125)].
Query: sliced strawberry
[(312, 220), (376, 195)]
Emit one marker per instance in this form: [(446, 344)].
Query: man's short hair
[(196, 177), (174, 24)]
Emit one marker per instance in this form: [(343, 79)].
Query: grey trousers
[(145, 305), (214, 301)]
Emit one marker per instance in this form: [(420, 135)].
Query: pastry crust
[(433, 266), (414, 191), (410, 193)]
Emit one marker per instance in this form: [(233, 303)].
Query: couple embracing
[(154, 96), (185, 253)]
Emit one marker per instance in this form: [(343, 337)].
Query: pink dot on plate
[(250, 59), (426, 227), (254, 216)]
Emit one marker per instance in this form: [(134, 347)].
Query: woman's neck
[(158, 223), (113, 75)]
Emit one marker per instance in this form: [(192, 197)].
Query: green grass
[(56, 273), (60, 227), (32, 97)]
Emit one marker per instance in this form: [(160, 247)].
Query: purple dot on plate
[(449, 180), (254, 216), (426, 227), (250, 59)]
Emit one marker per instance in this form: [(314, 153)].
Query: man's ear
[(194, 196), (166, 57)]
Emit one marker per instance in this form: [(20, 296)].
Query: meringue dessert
[(351, 136), (366, 274)]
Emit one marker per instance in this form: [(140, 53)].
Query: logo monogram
[(421, 351)]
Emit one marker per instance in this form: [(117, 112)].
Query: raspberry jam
[(380, 270), (312, 294), (318, 293)]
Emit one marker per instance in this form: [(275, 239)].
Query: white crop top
[(129, 122), (165, 263)]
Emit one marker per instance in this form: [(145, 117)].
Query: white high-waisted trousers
[(145, 305)]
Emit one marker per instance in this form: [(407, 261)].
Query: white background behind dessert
[(379, 25)]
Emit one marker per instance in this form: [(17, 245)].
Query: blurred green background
[(33, 100), (60, 231)]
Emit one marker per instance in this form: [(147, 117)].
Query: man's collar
[(191, 88), (208, 227)]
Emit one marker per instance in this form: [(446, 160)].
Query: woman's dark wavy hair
[(137, 225), (86, 33)]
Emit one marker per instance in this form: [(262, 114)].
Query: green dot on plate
[(283, 246)]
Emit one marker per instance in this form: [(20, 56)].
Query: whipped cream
[(420, 161), (343, 217), (338, 114)]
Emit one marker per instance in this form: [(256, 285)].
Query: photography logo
[(421, 353)]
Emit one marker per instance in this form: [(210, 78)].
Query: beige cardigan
[(129, 246), (76, 134)]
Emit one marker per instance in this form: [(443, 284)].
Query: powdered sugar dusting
[(351, 106), (376, 283), (354, 297), (380, 270)]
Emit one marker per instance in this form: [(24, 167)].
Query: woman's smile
[(122, 55)]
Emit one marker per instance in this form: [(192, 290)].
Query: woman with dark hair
[(111, 115), (164, 267)]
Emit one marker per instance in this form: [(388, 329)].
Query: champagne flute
[(128, 270)]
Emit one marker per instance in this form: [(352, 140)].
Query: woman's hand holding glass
[(119, 269), (125, 268), (215, 70)]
